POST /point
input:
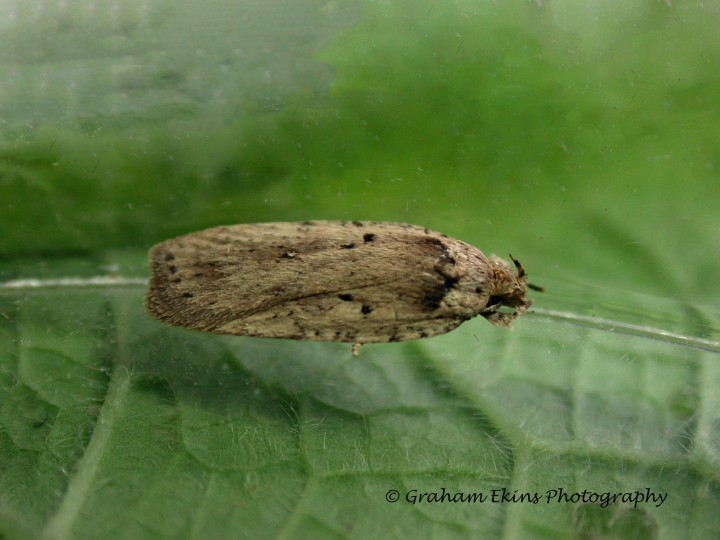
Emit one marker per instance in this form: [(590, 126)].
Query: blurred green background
[(583, 137)]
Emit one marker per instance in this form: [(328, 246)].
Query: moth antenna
[(520, 269), (537, 288)]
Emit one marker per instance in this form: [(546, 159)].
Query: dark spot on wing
[(366, 310), (445, 268), (434, 297), (188, 295), (345, 297), (347, 246), (369, 237), (435, 242), (450, 282)]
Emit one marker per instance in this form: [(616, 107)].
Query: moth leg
[(491, 310), (356, 349), (504, 319), (499, 319)]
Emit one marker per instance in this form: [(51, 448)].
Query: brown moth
[(351, 281)]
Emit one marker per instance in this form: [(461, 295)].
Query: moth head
[(508, 289)]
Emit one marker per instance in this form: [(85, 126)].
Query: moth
[(348, 281)]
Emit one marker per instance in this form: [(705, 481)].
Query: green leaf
[(117, 426)]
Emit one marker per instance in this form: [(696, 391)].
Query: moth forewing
[(347, 281)]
